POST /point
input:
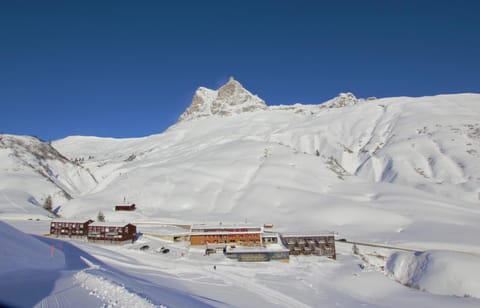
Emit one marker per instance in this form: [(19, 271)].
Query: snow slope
[(31, 170), (30, 274), (439, 272), (392, 170), (21, 251), (384, 169)]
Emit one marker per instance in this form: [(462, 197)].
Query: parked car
[(163, 250)]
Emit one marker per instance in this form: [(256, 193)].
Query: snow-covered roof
[(270, 234), (218, 227), (247, 249), (225, 232), (72, 220), (109, 224), (307, 234)]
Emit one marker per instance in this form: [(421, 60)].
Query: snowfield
[(400, 172), (106, 275), (439, 272)]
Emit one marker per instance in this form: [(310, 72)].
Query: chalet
[(320, 244), (70, 228), (111, 232), (218, 235), (125, 207)]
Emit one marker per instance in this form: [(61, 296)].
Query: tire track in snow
[(233, 278), (270, 295)]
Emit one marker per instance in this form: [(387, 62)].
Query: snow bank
[(109, 292), (439, 272), (21, 251)]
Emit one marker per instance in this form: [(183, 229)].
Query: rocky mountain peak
[(231, 98), (342, 100)]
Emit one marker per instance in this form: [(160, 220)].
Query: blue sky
[(130, 68)]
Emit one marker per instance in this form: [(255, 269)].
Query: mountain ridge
[(395, 160)]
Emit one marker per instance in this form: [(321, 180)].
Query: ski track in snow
[(228, 276), (13, 203), (271, 295)]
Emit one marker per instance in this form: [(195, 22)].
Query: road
[(379, 246)]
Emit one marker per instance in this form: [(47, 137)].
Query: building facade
[(111, 233), (257, 254), (70, 228), (310, 244), (224, 235)]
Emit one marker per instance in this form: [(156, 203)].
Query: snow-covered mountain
[(397, 171), (378, 165), (31, 170)]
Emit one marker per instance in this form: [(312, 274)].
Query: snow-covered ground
[(437, 271), (397, 171), (126, 276)]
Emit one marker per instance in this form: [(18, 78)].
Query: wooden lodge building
[(70, 228), (218, 235), (310, 244), (111, 232)]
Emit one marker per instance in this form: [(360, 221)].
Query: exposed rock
[(232, 98), (342, 100)]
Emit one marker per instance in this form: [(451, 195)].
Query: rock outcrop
[(232, 98)]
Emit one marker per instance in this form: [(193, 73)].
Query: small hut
[(125, 207)]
